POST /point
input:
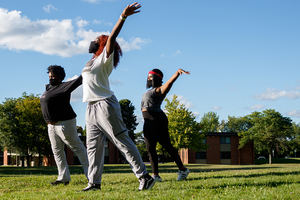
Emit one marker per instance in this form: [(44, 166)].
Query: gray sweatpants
[(61, 133), (104, 119)]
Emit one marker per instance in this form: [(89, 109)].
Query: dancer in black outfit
[(156, 122), (61, 119)]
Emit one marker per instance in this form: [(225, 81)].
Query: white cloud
[(176, 53), (140, 119), (294, 113), (48, 8), (115, 82), (257, 107), (196, 114), (216, 108), (77, 94), (57, 37), (81, 23), (95, 21), (96, 1), (134, 43), (274, 94), (297, 88), (182, 100), (72, 78)]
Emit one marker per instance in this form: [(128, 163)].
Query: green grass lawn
[(280, 180)]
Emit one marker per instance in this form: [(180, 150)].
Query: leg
[(71, 139), (161, 133), (126, 146), (164, 139), (57, 146), (124, 143), (95, 140), (151, 145), (111, 122)]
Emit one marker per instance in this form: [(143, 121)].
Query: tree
[(269, 130), (293, 142), (242, 124), (9, 125), (127, 110), (33, 126), (237, 124), (209, 122), (141, 145), (183, 129), (26, 130)]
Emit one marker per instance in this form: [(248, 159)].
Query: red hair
[(117, 49)]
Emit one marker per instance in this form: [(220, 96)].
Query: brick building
[(112, 156), (223, 149)]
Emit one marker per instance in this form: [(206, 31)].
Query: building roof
[(222, 134)]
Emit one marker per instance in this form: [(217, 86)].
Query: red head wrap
[(152, 72)]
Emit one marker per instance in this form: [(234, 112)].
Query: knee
[(152, 149)]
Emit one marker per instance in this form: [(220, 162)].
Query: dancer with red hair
[(103, 115)]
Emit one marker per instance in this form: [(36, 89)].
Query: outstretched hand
[(181, 71), (131, 9)]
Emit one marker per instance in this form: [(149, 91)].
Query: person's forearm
[(129, 10), (113, 35), (117, 28), (167, 86)]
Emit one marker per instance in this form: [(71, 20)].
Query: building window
[(225, 140), (201, 155), (225, 155)]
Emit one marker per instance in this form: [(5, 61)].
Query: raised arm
[(165, 88), (129, 10)]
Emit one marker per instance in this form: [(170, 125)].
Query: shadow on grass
[(253, 175), (51, 170), (278, 161), (117, 168), (125, 168), (271, 184), (245, 184)]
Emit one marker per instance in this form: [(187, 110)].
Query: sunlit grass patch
[(277, 181)]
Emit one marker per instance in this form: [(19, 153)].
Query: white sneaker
[(183, 174), (156, 178)]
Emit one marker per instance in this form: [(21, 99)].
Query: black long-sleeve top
[(55, 101)]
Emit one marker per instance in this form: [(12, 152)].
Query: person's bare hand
[(131, 9), (181, 71)]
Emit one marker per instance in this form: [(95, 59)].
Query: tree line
[(272, 133), (24, 131), (22, 127)]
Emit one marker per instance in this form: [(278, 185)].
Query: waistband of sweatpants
[(104, 99)]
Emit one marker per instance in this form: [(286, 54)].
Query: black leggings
[(156, 130)]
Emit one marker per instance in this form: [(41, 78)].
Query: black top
[(55, 101)]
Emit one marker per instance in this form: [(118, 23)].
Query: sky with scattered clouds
[(243, 55)]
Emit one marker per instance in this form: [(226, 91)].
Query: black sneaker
[(146, 182), (92, 187), (59, 182)]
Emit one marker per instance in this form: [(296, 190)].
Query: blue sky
[(243, 55)]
